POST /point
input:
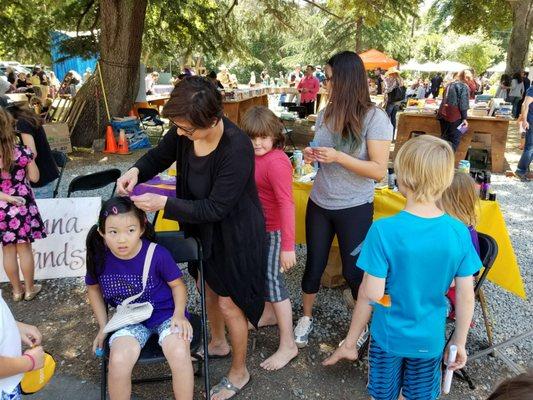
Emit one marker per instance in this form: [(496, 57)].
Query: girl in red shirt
[(273, 177)]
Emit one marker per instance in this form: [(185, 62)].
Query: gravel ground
[(69, 328)]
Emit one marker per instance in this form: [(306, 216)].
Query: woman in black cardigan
[(216, 200)]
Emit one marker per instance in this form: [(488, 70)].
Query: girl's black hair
[(95, 242)]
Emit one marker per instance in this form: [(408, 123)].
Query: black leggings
[(351, 226)]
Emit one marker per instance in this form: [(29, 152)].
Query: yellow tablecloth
[(505, 271)]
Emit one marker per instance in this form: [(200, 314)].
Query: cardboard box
[(481, 140), (332, 276), (58, 136)]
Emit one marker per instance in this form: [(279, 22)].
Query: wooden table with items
[(493, 130), (235, 109)]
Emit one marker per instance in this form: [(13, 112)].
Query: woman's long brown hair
[(23, 112), (7, 140), (349, 98)]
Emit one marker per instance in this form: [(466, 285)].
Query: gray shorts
[(275, 285)]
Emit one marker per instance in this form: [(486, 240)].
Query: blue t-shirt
[(121, 279), (418, 258), (529, 92)]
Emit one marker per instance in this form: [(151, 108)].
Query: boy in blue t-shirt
[(410, 260)]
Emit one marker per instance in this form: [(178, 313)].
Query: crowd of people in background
[(40, 85), (236, 187)]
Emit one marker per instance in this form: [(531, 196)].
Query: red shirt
[(312, 85), (273, 177)]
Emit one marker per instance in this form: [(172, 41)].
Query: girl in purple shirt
[(461, 201), (116, 250)]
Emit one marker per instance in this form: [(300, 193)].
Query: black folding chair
[(489, 248), (488, 251), (151, 117), (61, 161), (95, 181), (182, 251), (288, 134)]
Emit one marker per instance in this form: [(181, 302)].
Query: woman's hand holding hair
[(150, 202), (127, 182)]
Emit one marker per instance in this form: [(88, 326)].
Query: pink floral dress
[(19, 224)]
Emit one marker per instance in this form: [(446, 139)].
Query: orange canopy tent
[(376, 59)]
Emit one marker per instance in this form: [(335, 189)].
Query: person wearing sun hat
[(394, 93)]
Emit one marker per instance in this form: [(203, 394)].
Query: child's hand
[(309, 156), (460, 359), (29, 334), (181, 325), (98, 342), (342, 352), (37, 353), (287, 260), (16, 200)]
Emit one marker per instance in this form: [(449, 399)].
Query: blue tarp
[(77, 64)]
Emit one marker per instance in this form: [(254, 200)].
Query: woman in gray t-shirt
[(352, 140)]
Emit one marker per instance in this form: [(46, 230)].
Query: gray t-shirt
[(335, 187)]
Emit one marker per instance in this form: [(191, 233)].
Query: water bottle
[(391, 178), (298, 162)]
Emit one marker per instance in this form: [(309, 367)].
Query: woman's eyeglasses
[(187, 131)]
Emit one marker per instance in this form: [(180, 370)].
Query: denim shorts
[(141, 333), (46, 191), (13, 395)]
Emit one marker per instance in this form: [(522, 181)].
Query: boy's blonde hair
[(424, 165), (260, 121), (460, 200)]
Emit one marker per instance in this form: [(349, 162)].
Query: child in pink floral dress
[(20, 222)]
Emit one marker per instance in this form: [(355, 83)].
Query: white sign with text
[(62, 253)]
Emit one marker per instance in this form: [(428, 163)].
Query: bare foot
[(280, 358), (264, 321), (267, 319), (341, 353), (238, 381), (218, 349)]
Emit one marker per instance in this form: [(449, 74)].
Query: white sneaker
[(302, 331), (363, 338)]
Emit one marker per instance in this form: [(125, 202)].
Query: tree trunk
[(520, 35), (121, 30), (358, 34)]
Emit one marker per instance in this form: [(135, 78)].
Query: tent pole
[(103, 91)]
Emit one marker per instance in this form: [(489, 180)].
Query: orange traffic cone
[(122, 143), (110, 142)]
